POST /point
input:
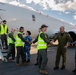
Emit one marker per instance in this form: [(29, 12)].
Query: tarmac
[(10, 68)]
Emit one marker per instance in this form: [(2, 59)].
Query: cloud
[(21, 5), (67, 12), (62, 5), (2, 0), (35, 1), (14, 3), (6, 0), (60, 13), (75, 13), (74, 17), (72, 24)]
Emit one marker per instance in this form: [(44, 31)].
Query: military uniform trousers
[(60, 52)]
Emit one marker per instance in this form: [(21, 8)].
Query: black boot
[(74, 70), (36, 64), (56, 68), (63, 67), (27, 61)]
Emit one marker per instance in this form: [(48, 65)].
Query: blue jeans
[(26, 52)]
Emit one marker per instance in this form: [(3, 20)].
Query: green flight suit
[(61, 51)]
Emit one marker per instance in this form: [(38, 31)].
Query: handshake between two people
[(51, 42), (66, 46)]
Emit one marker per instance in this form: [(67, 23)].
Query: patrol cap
[(42, 26)]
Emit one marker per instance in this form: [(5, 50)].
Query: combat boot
[(56, 68), (36, 64), (18, 65), (74, 70), (63, 67), (24, 64), (43, 72)]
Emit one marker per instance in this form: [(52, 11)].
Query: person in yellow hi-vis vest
[(3, 33), (19, 43), (42, 42), (11, 46)]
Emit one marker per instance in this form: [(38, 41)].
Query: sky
[(64, 10)]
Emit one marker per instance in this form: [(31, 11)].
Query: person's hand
[(30, 42), (65, 46), (51, 42), (33, 43), (23, 33)]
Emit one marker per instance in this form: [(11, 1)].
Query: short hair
[(62, 27), (21, 28), (29, 33), (4, 21)]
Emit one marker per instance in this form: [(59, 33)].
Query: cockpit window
[(33, 18)]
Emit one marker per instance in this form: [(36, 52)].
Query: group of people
[(23, 46)]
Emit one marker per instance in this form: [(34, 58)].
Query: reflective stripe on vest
[(10, 41), (41, 43), (3, 29), (19, 42)]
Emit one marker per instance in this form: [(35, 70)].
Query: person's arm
[(55, 38), (7, 30), (11, 36), (36, 39), (21, 37), (30, 40), (69, 38), (44, 37)]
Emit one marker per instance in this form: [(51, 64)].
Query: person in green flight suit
[(63, 41)]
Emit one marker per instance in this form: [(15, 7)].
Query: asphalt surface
[(10, 68)]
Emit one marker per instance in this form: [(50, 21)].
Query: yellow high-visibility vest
[(10, 41), (3, 29), (41, 43), (19, 42)]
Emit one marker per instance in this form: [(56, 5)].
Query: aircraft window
[(33, 17)]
